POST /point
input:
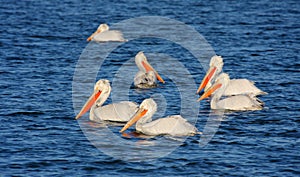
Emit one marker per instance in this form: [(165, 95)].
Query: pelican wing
[(172, 125), (145, 80), (242, 86), (110, 35), (240, 103), (118, 112)]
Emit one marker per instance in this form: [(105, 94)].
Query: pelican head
[(139, 58), (223, 78), (144, 66), (216, 61), (218, 87), (102, 86), (101, 28), (146, 110), (101, 92), (215, 67)]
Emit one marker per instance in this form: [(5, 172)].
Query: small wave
[(27, 113)]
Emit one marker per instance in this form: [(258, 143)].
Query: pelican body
[(235, 103), (103, 34), (117, 112), (235, 86), (172, 125), (147, 76)]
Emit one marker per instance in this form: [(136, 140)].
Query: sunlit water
[(41, 43)]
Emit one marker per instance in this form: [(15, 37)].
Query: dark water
[(40, 46)]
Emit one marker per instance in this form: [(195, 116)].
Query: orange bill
[(210, 91), (91, 36), (148, 68), (207, 78), (131, 135), (136, 117), (89, 103)]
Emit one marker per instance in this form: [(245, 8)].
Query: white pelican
[(147, 76), (235, 86), (234, 103), (103, 34), (118, 112), (172, 125)]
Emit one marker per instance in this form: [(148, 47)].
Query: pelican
[(117, 112), (147, 76), (235, 86), (103, 34), (172, 125), (234, 103)]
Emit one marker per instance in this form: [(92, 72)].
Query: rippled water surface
[(41, 43)]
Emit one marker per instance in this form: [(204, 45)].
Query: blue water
[(41, 43)]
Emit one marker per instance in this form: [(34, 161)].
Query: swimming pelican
[(172, 125), (235, 86), (103, 34), (234, 103), (147, 76), (117, 112)]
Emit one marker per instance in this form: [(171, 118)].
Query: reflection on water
[(211, 127), (131, 146)]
